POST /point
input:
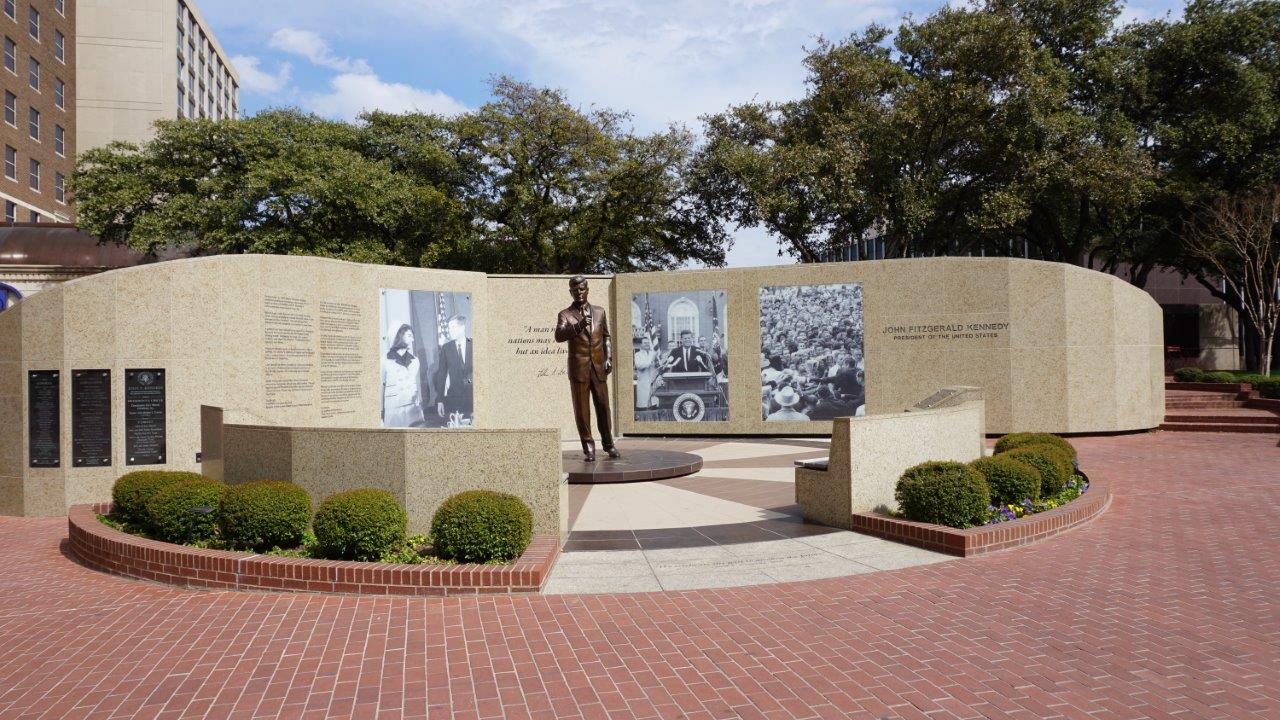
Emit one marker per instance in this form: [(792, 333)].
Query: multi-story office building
[(39, 85), (147, 60)]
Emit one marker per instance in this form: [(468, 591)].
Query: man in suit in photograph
[(685, 357), (453, 372)]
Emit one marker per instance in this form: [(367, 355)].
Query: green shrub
[(132, 491), (170, 515), (264, 514), (1014, 441), (1011, 480), (1188, 374), (1268, 388), (359, 525), (480, 525), (1054, 465), (1221, 377), (944, 493)]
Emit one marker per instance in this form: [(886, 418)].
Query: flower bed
[(103, 548), (992, 537)]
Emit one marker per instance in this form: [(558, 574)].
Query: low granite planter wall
[(110, 550), (1242, 390), (989, 538)]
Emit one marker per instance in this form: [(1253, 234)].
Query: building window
[(33, 123), (59, 188), (181, 65), (10, 163), (10, 211), (33, 216), (33, 175), (59, 94), (33, 22), (59, 140), (182, 100), (10, 56), (59, 46), (682, 315), (191, 107), (11, 108), (10, 10), (60, 6), (33, 74)]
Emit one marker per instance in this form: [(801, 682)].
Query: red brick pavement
[(1167, 606)]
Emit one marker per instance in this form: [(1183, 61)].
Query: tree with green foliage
[(981, 129), (525, 184)]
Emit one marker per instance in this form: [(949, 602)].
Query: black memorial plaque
[(90, 418), (44, 420), (144, 428)]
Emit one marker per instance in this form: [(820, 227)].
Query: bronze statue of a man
[(586, 329)]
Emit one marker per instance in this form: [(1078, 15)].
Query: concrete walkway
[(733, 523)]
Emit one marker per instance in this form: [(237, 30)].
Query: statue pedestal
[(634, 465)]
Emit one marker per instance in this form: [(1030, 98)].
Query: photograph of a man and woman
[(681, 356), (811, 362), (426, 359)]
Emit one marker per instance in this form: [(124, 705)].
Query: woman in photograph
[(401, 385), (646, 374)]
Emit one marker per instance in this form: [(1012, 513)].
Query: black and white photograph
[(427, 378), (811, 362), (681, 354)]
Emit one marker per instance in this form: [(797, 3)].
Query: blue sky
[(664, 61)]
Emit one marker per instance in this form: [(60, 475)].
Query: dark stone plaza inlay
[(634, 465)]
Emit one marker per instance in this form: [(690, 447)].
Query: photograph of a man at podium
[(678, 345)]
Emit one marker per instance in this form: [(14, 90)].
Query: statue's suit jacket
[(587, 352)]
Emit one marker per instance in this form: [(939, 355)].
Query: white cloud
[(353, 93), (664, 60), (313, 47), (254, 79)]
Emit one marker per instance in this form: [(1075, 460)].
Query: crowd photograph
[(427, 359), (681, 356), (811, 352)]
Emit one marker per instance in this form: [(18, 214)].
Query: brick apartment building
[(79, 74)]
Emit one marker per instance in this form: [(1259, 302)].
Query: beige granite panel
[(194, 317), (530, 387), (1037, 304), (525, 463), (12, 424), (11, 500), (333, 460), (252, 452), (10, 337), (1090, 301), (869, 455), (42, 325), (1045, 409), (89, 330), (43, 491), (145, 300), (1091, 379)]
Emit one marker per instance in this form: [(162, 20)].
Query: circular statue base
[(634, 465)]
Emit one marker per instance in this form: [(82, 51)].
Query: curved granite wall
[(1079, 351)]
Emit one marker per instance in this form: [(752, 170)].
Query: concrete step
[(1221, 427), (1231, 419), (1204, 403)]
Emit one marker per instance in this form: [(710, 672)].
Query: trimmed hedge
[(481, 525), (359, 525), (1188, 374), (1268, 388), (1014, 441), (132, 491), (1010, 479), (170, 516), (1054, 466), (943, 493), (1221, 377), (264, 514)]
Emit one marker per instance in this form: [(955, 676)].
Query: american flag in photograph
[(442, 320)]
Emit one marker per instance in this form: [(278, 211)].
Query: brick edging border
[(102, 548), (968, 542)]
